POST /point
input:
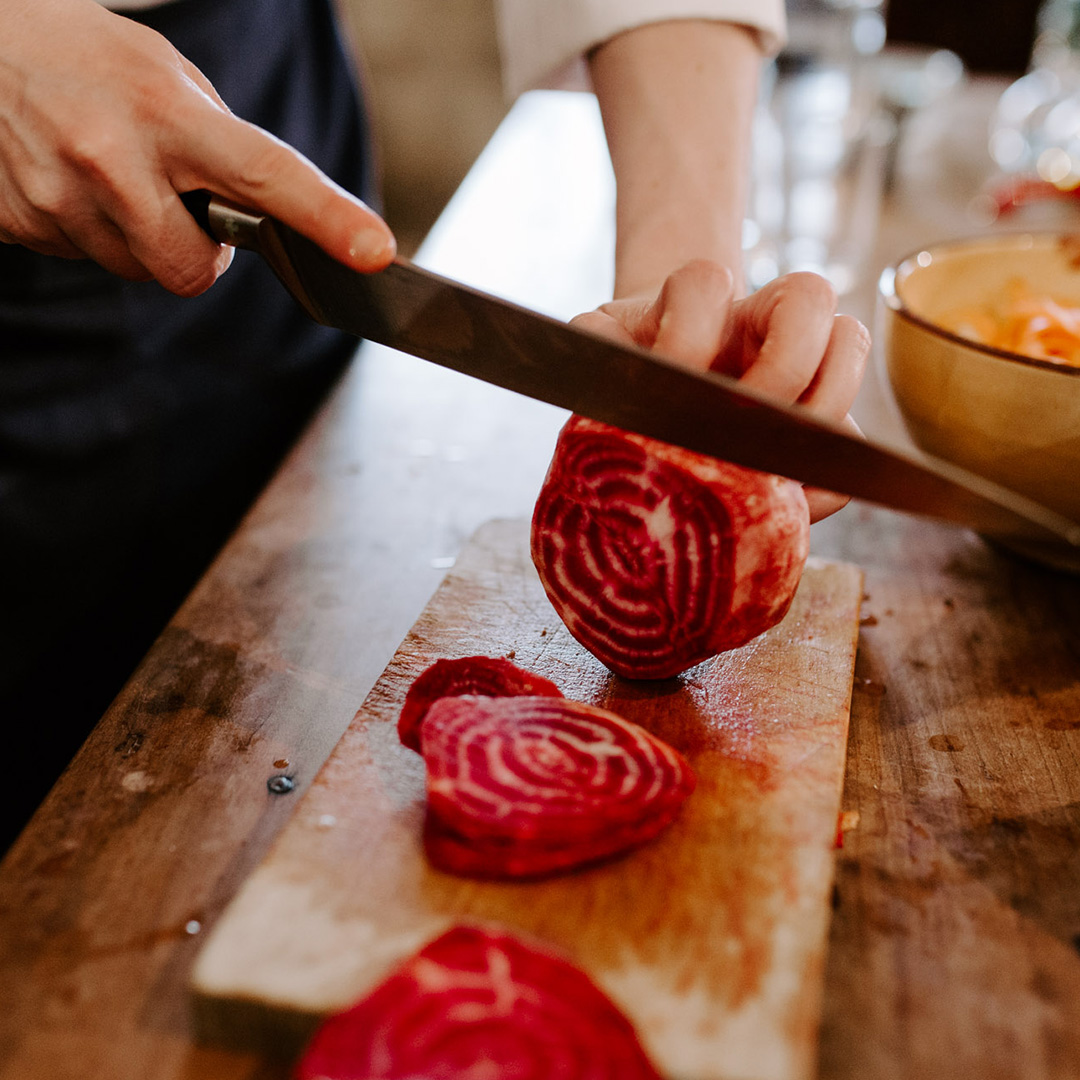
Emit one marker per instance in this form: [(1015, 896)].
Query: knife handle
[(223, 221)]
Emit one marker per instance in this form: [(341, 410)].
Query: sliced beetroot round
[(527, 786), (506, 859), (487, 676), (657, 558), (478, 1003)]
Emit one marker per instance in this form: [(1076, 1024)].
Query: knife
[(433, 317)]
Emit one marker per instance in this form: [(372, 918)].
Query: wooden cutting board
[(711, 938)]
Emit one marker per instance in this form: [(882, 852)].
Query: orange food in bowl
[(1023, 321)]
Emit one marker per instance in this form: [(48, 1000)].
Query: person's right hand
[(103, 124)]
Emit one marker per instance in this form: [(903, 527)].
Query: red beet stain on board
[(479, 1002), (946, 744)]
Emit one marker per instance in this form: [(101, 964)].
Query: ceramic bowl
[(1003, 416)]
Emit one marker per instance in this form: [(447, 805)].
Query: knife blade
[(414, 310)]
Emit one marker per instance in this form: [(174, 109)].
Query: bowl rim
[(888, 294)]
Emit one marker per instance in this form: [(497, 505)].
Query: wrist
[(677, 100)]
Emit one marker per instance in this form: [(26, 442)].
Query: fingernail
[(372, 246)]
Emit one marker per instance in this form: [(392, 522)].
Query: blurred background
[(433, 70), (436, 96)]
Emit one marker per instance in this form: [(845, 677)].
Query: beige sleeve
[(543, 40)]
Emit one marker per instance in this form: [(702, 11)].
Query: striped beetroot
[(478, 1003), (657, 558), (522, 787)]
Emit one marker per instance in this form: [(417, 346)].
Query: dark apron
[(136, 427)]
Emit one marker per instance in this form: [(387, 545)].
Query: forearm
[(677, 99)]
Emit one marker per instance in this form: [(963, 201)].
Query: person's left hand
[(785, 340)]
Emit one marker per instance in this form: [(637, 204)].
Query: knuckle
[(815, 287), (92, 148), (43, 192), (263, 166), (21, 223)]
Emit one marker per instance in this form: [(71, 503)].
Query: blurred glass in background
[(832, 111), (819, 146), (1035, 131)]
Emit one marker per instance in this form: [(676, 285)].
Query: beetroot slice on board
[(522, 787), (657, 558), (486, 676), (478, 1003)]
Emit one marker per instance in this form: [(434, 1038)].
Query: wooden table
[(954, 948)]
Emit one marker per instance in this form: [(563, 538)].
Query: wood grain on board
[(711, 938)]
